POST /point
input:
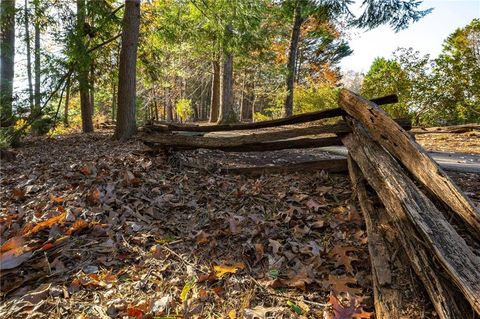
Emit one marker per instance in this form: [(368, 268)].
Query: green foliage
[(442, 91), (184, 109), (43, 125), (311, 98), (387, 77)]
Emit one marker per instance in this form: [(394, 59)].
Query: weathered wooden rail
[(414, 199)]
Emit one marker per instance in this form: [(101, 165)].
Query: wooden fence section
[(387, 156), (415, 200)]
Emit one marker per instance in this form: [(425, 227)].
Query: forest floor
[(91, 228)]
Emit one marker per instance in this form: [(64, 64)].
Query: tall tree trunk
[(37, 56), (292, 56), (29, 55), (114, 100), (92, 88), (215, 97), (247, 98), (227, 114), (67, 101), (83, 69), (127, 77), (7, 57), (168, 105)]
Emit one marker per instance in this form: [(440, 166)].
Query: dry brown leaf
[(340, 284), (342, 258), (259, 252), (93, 197)]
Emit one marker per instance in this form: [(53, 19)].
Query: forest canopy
[(215, 60)]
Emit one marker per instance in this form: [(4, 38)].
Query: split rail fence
[(416, 217)]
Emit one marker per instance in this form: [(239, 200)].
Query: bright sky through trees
[(426, 36)]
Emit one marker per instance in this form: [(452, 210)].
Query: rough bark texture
[(215, 96), (126, 121), (37, 56), (396, 292), (292, 57), (252, 147), (7, 57), (400, 144), (427, 237), (227, 113), (168, 105), (29, 56), (83, 69)]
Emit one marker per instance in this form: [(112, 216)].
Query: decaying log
[(386, 257), (327, 165), (447, 129), (399, 143), (424, 229), (188, 141), (295, 119), (261, 147)]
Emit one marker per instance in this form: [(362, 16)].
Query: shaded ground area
[(101, 230)]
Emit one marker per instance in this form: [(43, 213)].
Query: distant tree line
[(440, 91)]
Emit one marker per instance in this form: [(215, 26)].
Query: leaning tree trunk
[(7, 56), (29, 56), (37, 56), (83, 70), (292, 57), (227, 114), (215, 96), (126, 121)]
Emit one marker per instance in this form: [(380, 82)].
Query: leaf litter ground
[(91, 228)]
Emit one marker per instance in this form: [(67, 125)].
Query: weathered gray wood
[(188, 141), (399, 143), (425, 231), (390, 289), (447, 129), (327, 165), (259, 147)]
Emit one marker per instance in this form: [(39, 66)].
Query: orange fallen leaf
[(56, 200), (77, 226), (134, 312), (18, 193), (222, 270), (29, 230)]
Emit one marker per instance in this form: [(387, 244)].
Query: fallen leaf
[(29, 230), (93, 196), (259, 252), (222, 270), (14, 253), (201, 237), (186, 289), (260, 312), (340, 284), (354, 310)]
